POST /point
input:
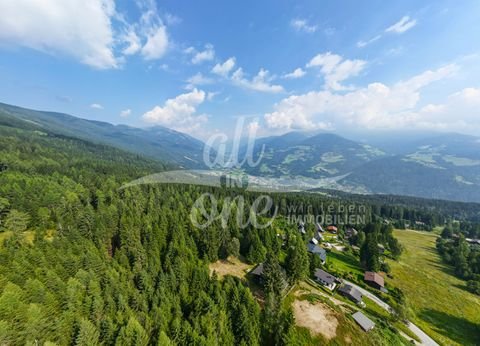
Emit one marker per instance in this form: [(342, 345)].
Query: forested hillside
[(156, 142), (85, 262)]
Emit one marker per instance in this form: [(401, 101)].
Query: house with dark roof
[(363, 321), (319, 228), (350, 232), (319, 236), (374, 280), (317, 250), (258, 272), (301, 227), (332, 229), (351, 293), (326, 279), (258, 276)]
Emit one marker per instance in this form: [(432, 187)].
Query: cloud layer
[(336, 69), (90, 31), (180, 112), (376, 106)]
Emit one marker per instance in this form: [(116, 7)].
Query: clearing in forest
[(230, 266)]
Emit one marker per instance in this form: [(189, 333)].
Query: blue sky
[(196, 66)]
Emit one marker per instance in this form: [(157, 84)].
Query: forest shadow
[(456, 328), (444, 267)]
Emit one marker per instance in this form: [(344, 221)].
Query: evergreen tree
[(296, 262)]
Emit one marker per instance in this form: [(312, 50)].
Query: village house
[(301, 227), (326, 279), (319, 228), (473, 241), (314, 241), (258, 276), (350, 232), (258, 273), (319, 236), (363, 321), (332, 229), (351, 293), (374, 280), (317, 250)]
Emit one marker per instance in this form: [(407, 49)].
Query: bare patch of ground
[(231, 266), (318, 318)]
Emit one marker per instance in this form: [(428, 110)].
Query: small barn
[(374, 280), (351, 293), (363, 321)]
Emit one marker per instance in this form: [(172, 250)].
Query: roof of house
[(317, 250), (331, 227), (352, 292), (363, 321), (258, 271), (319, 228), (374, 277), (351, 232), (324, 276), (318, 236)]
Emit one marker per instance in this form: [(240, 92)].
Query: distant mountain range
[(444, 166), (155, 142)]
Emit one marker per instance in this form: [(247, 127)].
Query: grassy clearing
[(28, 236), (344, 263), (441, 305), (231, 266)]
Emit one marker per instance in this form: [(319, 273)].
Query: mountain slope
[(156, 142), (319, 156), (445, 167)]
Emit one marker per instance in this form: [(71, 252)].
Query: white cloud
[(374, 106), (96, 106), (458, 113), (179, 113), (303, 25), (78, 28), (361, 44), (133, 42), (399, 27), (206, 55), (402, 25), (336, 69), (125, 113), (197, 79), (157, 43), (172, 19), (90, 31), (211, 95), (225, 68), (297, 73), (260, 82)]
